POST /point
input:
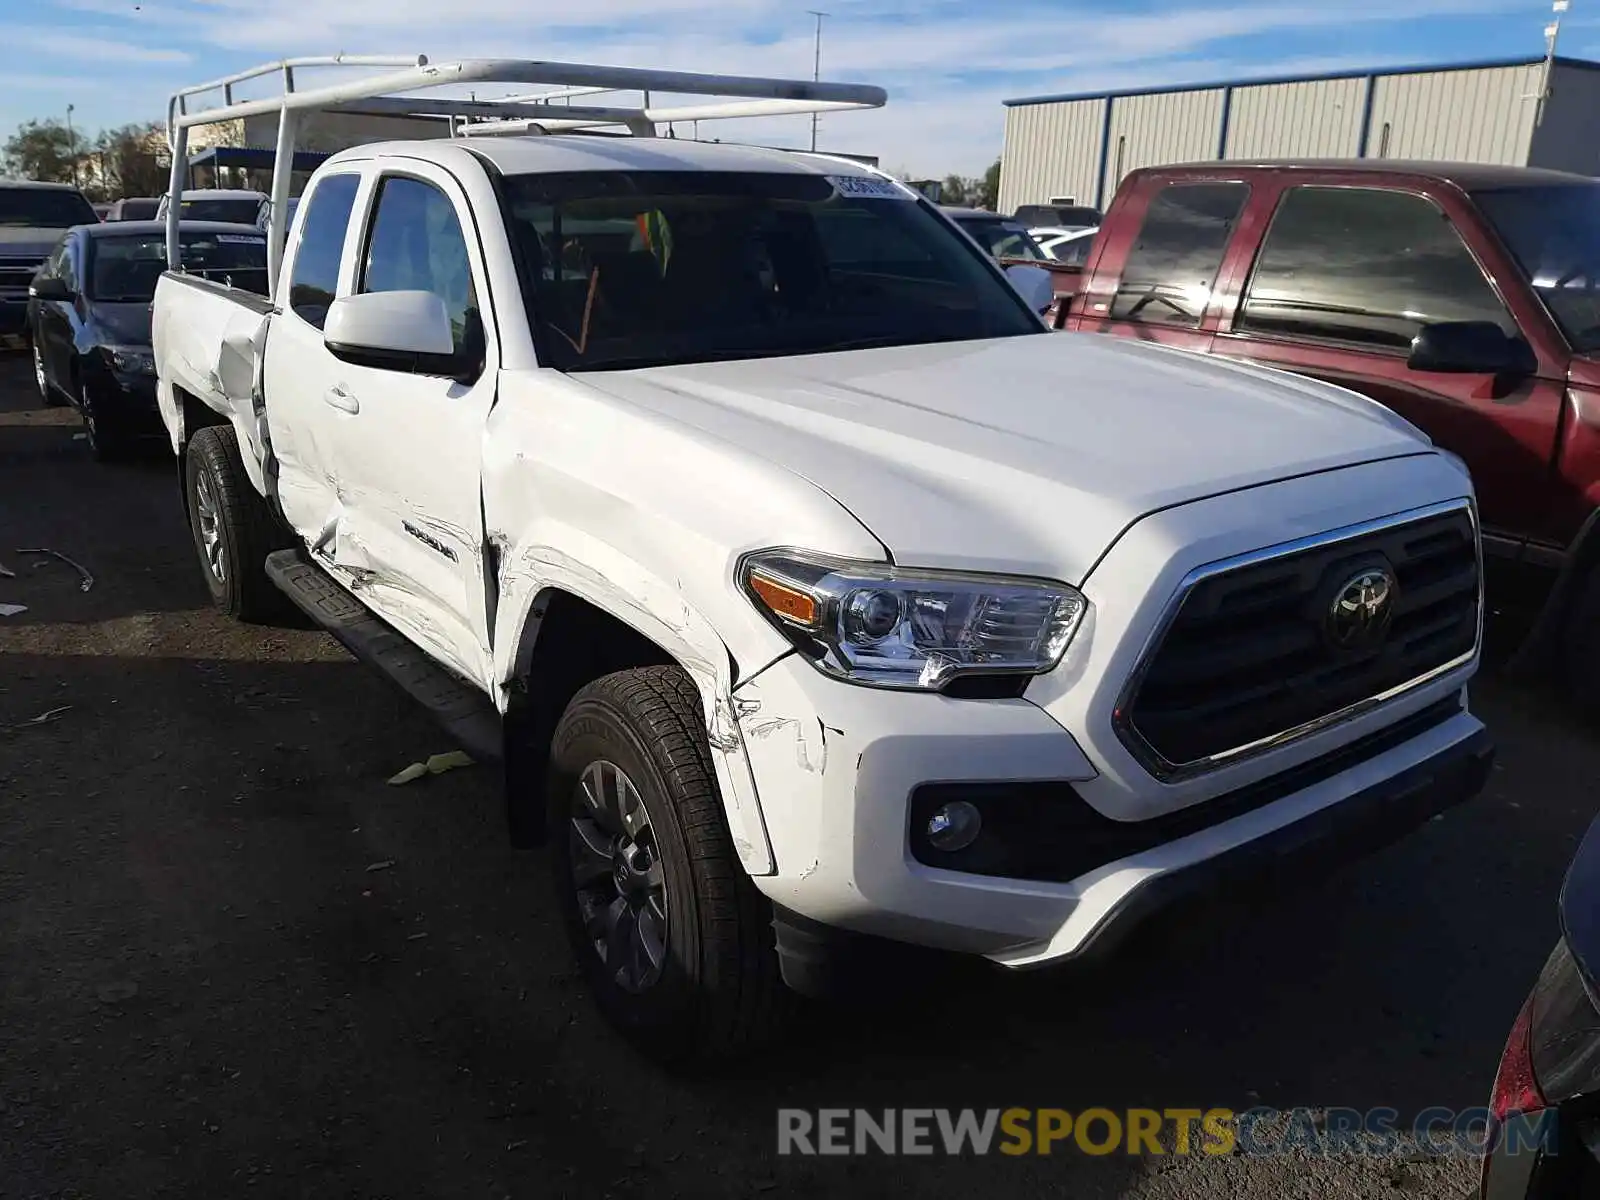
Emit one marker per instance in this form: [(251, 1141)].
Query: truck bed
[(207, 339)]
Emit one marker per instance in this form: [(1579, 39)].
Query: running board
[(463, 710)]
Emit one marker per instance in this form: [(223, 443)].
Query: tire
[(717, 993), (232, 527), (1580, 657), (48, 396), (108, 442)]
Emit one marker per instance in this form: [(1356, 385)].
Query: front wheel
[(47, 394), (675, 940), (232, 526), (108, 441)]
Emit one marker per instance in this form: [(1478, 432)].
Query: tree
[(957, 190), (40, 150), (989, 189), (134, 160)]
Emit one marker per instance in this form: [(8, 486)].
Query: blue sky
[(947, 63)]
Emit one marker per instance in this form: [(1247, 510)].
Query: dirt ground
[(234, 961)]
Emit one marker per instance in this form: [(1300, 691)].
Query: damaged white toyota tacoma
[(816, 598)]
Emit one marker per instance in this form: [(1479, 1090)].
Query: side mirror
[(1470, 348), (1035, 284), (51, 288), (396, 331)]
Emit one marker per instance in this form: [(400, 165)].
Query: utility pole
[(1552, 32), (816, 72), (72, 146)]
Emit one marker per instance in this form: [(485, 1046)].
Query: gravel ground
[(233, 960)]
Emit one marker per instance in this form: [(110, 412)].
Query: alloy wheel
[(618, 876), (208, 516)]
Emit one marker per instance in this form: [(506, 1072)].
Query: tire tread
[(253, 531), (742, 1002)]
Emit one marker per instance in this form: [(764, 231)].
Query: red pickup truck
[(1464, 297)]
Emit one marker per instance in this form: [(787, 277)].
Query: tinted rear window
[(242, 212)]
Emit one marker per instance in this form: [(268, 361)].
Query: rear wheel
[(233, 529), (675, 940)]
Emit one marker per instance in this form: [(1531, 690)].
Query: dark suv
[(33, 216)]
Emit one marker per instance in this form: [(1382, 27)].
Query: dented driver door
[(410, 444)]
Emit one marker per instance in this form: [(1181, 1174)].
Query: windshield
[(125, 269), (642, 268), (239, 212), (1554, 234), (1003, 239), (44, 208)]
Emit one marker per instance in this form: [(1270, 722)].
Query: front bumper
[(836, 769)]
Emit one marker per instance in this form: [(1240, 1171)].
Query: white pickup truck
[(816, 598)]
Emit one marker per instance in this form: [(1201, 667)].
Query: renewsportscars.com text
[(1257, 1132)]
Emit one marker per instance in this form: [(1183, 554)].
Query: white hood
[(1028, 454)]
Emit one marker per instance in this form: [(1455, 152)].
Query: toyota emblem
[(1362, 608)]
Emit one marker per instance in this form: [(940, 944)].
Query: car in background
[(32, 218), (1005, 238), (1463, 296), (1067, 246), (101, 210), (1059, 216), (238, 206), (134, 208), (89, 315), (1545, 1105)]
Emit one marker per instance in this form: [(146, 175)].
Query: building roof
[(541, 153), (1417, 69), (1467, 176), (109, 229)]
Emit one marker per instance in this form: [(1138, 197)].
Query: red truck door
[(1159, 258), (1344, 279)]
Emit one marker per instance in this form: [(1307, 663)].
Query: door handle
[(341, 399)]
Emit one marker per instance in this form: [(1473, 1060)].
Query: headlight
[(894, 627), (132, 361)]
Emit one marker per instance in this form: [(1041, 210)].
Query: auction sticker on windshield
[(868, 185)]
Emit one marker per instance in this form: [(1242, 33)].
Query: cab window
[(416, 244), (321, 248), (1364, 266)]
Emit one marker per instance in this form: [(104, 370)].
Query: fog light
[(954, 826)]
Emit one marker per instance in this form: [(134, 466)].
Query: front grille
[(1247, 656), (16, 274)]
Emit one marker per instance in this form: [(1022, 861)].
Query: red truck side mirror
[(1470, 348)]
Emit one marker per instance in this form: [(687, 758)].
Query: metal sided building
[(1077, 148)]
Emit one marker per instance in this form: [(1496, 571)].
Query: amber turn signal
[(790, 603)]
